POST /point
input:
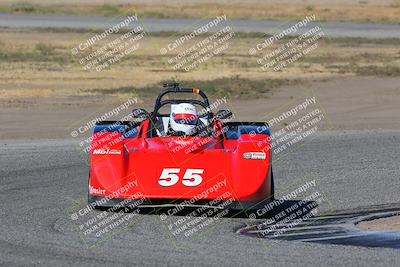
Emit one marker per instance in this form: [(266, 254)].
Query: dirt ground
[(352, 103), (384, 224)]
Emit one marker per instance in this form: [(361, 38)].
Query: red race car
[(186, 156)]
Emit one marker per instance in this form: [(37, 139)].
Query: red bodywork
[(132, 168)]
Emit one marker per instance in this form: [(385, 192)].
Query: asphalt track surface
[(331, 29), (42, 179)]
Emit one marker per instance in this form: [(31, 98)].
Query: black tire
[(272, 186), (89, 198)]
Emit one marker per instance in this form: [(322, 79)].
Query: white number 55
[(192, 177)]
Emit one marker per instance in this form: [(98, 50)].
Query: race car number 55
[(192, 177)]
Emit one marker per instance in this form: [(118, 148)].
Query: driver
[(183, 119)]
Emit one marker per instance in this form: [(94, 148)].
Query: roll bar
[(174, 88)]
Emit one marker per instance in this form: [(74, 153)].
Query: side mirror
[(139, 115), (223, 114)]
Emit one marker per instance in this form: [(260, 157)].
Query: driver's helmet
[(183, 118)]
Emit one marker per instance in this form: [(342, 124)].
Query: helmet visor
[(188, 119)]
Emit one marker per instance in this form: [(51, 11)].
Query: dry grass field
[(40, 64)]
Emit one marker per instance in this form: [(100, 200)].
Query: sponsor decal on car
[(106, 152), (93, 190), (255, 155)]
